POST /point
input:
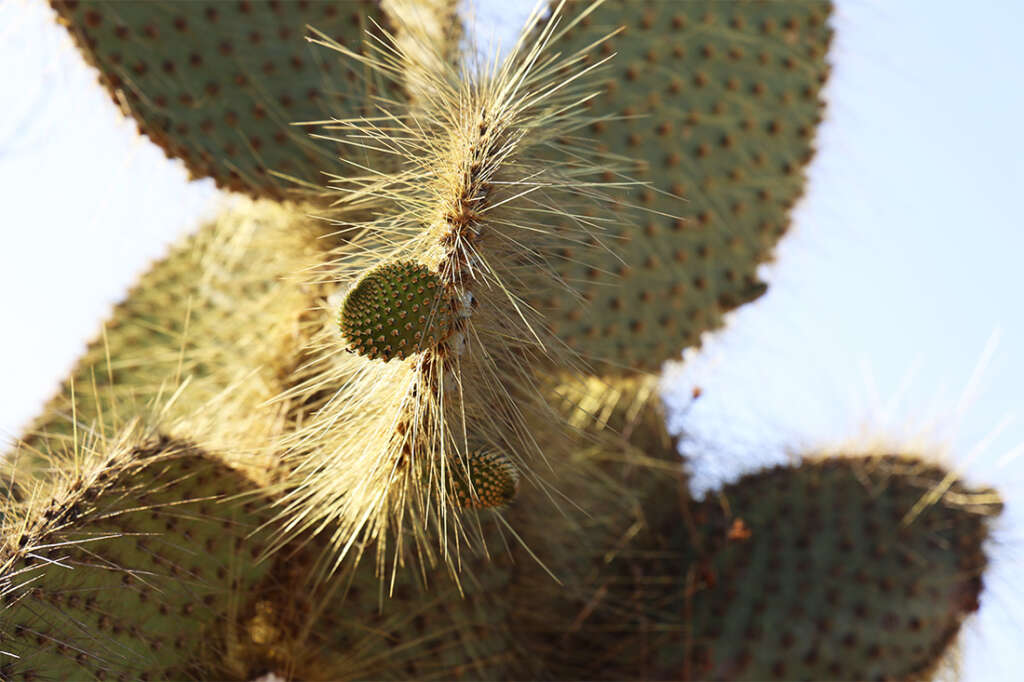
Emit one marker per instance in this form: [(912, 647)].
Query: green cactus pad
[(395, 310), (218, 84), (849, 568), (231, 285), (491, 481), (128, 570), (717, 103)]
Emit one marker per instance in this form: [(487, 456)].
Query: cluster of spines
[(463, 206), (396, 310)]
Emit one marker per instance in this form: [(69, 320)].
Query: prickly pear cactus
[(410, 424)]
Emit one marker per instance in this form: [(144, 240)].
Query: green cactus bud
[(491, 480), (219, 84), (128, 567), (849, 568), (395, 310), (717, 103)]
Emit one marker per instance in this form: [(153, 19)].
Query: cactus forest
[(394, 414)]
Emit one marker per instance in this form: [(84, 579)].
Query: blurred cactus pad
[(393, 414)]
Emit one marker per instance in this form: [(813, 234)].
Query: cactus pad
[(219, 84), (395, 310), (717, 103), (184, 323), (850, 568), (492, 481), (129, 570)]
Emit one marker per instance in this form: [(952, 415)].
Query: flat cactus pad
[(847, 568), (716, 104), (219, 84)]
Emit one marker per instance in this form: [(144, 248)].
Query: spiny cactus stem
[(462, 226)]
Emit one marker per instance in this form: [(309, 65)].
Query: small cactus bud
[(492, 481), (395, 310)]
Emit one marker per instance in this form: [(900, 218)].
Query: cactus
[(436, 404)]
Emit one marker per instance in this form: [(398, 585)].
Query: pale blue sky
[(902, 277)]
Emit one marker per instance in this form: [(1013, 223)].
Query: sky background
[(894, 314)]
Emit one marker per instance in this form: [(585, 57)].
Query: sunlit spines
[(373, 455), (208, 337)]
